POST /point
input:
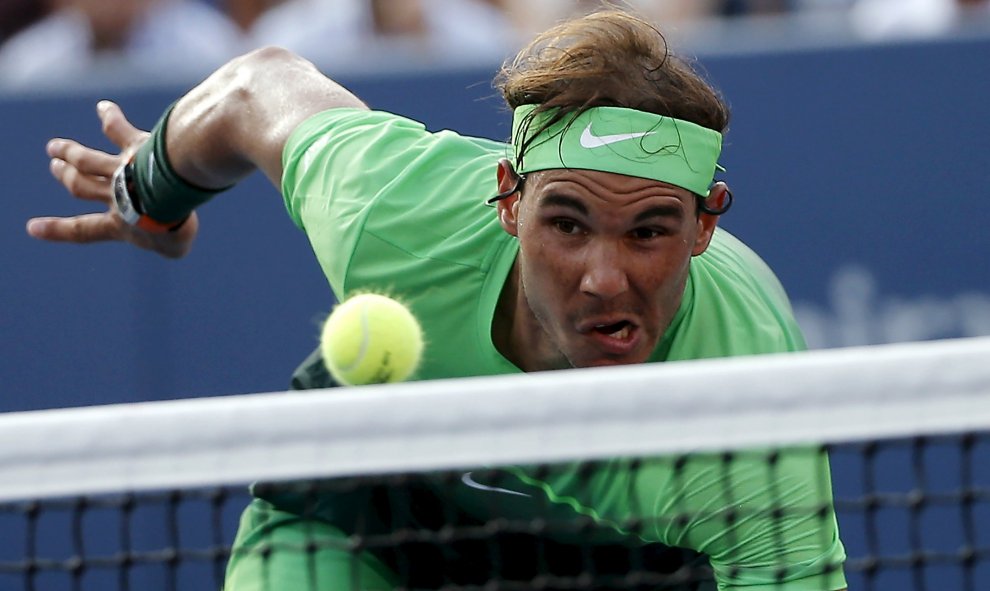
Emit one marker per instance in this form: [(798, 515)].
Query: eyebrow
[(564, 201), (658, 211)]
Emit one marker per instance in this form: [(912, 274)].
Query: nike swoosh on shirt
[(467, 479), (590, 140)]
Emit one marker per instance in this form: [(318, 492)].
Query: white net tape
[(816, 397)]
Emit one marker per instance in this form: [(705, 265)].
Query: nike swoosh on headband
[(640, 144), (590, 140)]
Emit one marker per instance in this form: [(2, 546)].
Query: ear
[(508, 208), (718, 200)]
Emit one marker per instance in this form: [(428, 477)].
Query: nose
[(604, 276)]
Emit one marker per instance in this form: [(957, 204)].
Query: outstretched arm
[(236, 121), (240, 118)]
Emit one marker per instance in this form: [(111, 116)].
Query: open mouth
[(620, 330)]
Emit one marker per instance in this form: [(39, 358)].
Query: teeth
[(622, 333)]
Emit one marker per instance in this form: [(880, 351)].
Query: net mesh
[(649, 477)]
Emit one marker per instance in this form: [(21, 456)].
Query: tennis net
[(663, 476)]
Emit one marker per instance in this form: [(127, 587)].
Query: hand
[(86, 173)]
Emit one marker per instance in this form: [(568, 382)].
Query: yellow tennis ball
[(371, 339)]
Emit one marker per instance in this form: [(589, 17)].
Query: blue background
[(861, 175)]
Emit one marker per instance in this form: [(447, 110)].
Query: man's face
[(603, 260)]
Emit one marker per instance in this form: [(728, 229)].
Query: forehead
[(606, 189)]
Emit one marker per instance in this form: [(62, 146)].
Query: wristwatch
[(127, 203)]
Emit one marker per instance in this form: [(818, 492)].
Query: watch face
[(122, 198)]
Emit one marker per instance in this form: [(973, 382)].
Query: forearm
[(239, 118)]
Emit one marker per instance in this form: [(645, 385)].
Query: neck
[(516, 332)]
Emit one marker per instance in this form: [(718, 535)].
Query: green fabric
[(389, 206), (276, 550), (623, 141), (688, 506), (409, 219)]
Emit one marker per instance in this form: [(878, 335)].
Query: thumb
[(116, 126)]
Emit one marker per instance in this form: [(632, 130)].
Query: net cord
[(838, 395)]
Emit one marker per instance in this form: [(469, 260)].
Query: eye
[(566, 226), (647, 233)]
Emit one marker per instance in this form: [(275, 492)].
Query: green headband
[(623, 141)]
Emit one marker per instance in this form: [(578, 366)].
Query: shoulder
[(332, 127), (371, 126), (730, 261), (383, 188), (370, 151), (734, 304)]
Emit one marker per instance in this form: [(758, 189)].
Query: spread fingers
[(84, 186), (86, 160)]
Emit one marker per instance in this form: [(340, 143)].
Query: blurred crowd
[(53, 41)]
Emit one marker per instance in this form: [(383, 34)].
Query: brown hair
[(609, 58)]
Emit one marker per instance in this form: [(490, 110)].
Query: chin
[(611, 361)]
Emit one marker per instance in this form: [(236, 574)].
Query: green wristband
[(164, 196)]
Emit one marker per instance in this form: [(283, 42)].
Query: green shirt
[(390, 207)]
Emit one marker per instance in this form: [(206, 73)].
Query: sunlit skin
[(603, 262)]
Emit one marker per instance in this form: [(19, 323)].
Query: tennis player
[(601, 249)]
